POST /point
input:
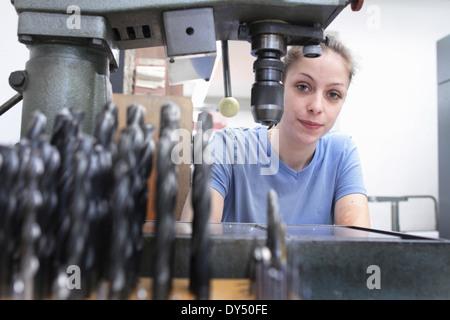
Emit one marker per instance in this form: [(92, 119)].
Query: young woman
[(316, 173)]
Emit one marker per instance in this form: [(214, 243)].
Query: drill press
[(74, 46)]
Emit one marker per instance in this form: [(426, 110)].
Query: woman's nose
[(315, 104)]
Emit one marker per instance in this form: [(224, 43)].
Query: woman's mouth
[(311, 125)]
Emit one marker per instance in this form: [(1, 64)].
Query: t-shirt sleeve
[(349, 176), (221, 169)]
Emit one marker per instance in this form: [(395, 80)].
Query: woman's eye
[(302, 87), (334, 95)]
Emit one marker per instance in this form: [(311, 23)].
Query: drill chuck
[(267, 95)]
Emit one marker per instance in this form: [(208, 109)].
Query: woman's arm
[(217, 202), (216, 207), (352, 210)]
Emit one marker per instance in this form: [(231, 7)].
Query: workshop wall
[(13, 56), (391, 107)]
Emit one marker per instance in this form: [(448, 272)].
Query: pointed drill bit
[(106, 127), (9, 168), (32, 200), (274, 231), (201, 204), (271, 277), (46, 214), (131, 144), (121, 206), (103, 181), (166, 186)]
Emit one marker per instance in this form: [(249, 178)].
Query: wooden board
[(153, 105), (220, 289)]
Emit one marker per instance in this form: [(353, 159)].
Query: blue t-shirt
[(245, 168)]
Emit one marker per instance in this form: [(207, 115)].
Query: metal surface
[(139, 24), (190, 44), (443, 78), (66, 76), (38, 27), (68, 67), (335, 259)]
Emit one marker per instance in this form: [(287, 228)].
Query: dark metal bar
[(11, 103), (435, 206), (394, 216), (226, 69)]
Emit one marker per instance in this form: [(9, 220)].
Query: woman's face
[(315, 89)]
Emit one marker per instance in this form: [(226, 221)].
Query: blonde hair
[(295, 53)]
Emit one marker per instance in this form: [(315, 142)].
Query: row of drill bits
[(72, 199), (165, 206)]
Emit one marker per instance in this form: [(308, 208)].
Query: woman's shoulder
[(248, 130), (336, 136), (241, 132), (239, 137), (338, 141)]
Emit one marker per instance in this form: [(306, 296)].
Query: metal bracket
[(295, 35), (190, 44), (94, 32), (395, 207)]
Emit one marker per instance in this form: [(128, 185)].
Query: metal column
[(443, 66), (68, 67)]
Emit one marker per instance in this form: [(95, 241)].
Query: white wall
[(391, 110), (13, 56)]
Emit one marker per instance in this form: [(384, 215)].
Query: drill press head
[(269, 40)]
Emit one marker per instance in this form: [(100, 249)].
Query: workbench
[(337, 262)]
